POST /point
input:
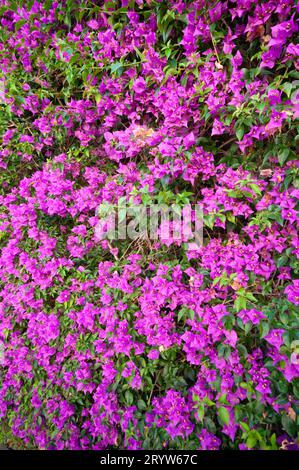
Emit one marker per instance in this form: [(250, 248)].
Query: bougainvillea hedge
[(134, 344)]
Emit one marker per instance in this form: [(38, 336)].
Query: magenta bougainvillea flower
[(149, 342)]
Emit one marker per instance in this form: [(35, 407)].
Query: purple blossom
[(139, 85), (274, 337), (292, 292)]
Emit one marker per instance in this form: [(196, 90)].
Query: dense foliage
[(135, 344)]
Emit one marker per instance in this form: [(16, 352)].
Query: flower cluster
[(141, 344)]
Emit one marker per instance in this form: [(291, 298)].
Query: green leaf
[(255, 188), (141, 405), (251, 440), (265, 327), (201, 411), (240, 133), (283, 155), (208, 402), (273, 441), (129, 397), (240, 303), (287, 88), (224, 415), (19, 24), (209, 220), (245, 426), (117, 68), (289, 426)]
